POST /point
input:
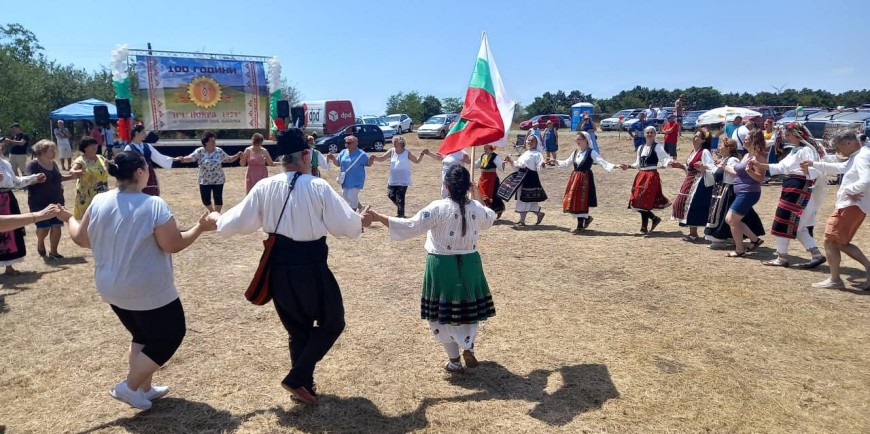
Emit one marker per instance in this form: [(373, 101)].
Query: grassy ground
[(606, 331)]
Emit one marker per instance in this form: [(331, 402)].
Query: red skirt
[(153, 188), (488, 185), (646, 192), (580, 193)]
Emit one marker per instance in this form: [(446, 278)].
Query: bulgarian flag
[(487, 112)]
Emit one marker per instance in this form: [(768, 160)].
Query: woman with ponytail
[(133, 236), (456, 296)]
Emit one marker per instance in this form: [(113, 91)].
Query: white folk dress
[(532, 160), (455, 296)]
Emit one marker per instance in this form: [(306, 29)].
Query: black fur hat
[(291, 141)]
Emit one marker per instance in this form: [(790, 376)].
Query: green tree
[(410, 103), (451, 105), (430, 106), (393, 103)]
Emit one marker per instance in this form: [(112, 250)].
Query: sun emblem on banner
[(204, 92)]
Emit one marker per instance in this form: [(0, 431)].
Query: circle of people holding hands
[(297, 208)]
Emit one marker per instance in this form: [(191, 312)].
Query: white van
[(322, 118)]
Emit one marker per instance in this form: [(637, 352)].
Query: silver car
[(436, 127)]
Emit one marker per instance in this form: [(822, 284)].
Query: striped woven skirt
[(692, 205), (796, 192)]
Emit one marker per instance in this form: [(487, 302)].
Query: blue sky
[(366, 51)]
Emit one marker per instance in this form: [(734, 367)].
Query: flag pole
[(472, 163)]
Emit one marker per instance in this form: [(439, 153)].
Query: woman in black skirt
[(718, 231)]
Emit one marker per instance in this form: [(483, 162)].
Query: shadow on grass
[(70, 260), (10, 285), (171, 415), (584, 388), (356, 414), (533, 227), (597, 233)]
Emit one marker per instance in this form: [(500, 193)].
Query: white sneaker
[(830, 284), (156, 392), (136, 398)]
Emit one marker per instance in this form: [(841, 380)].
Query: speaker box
[(101, 115), (123, 106), (298, 116), (283, 109)]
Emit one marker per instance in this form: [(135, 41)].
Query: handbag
[(259, 292), (341, 174)]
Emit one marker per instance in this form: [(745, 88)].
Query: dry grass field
[(602, 332)]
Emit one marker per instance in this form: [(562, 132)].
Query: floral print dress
[(94, 180), (211, 171)]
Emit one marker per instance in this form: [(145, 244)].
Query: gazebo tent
[(82, 111)]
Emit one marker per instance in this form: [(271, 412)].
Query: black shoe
[(655, 223)]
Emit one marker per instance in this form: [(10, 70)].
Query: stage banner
[(196, 94)]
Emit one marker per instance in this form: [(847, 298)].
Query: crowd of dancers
[(132, 233)]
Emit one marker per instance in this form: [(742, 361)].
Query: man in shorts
[(853, 204)]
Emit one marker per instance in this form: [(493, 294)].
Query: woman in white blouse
[(692, 205), (646, 192), (456, 296), (531, 193), (580, 194)]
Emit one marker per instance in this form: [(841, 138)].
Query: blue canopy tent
[(82, 111)]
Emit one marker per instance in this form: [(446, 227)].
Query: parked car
[(566, 120), (766, 113), (370, 137), (389, 132), (630, 120), (541, 122), (399, 122), (690, 119), (612, 123), (789, 116), (436, 126), (662, 114), (825, 123)]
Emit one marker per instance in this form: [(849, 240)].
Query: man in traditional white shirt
[(299, 209), (853, 204)]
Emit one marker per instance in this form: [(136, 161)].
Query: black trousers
[(159, 330), (396, 193), (207, 191), (305, 292)]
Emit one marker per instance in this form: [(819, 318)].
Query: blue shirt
[(729, 129), (637, 129), (356, 176)]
